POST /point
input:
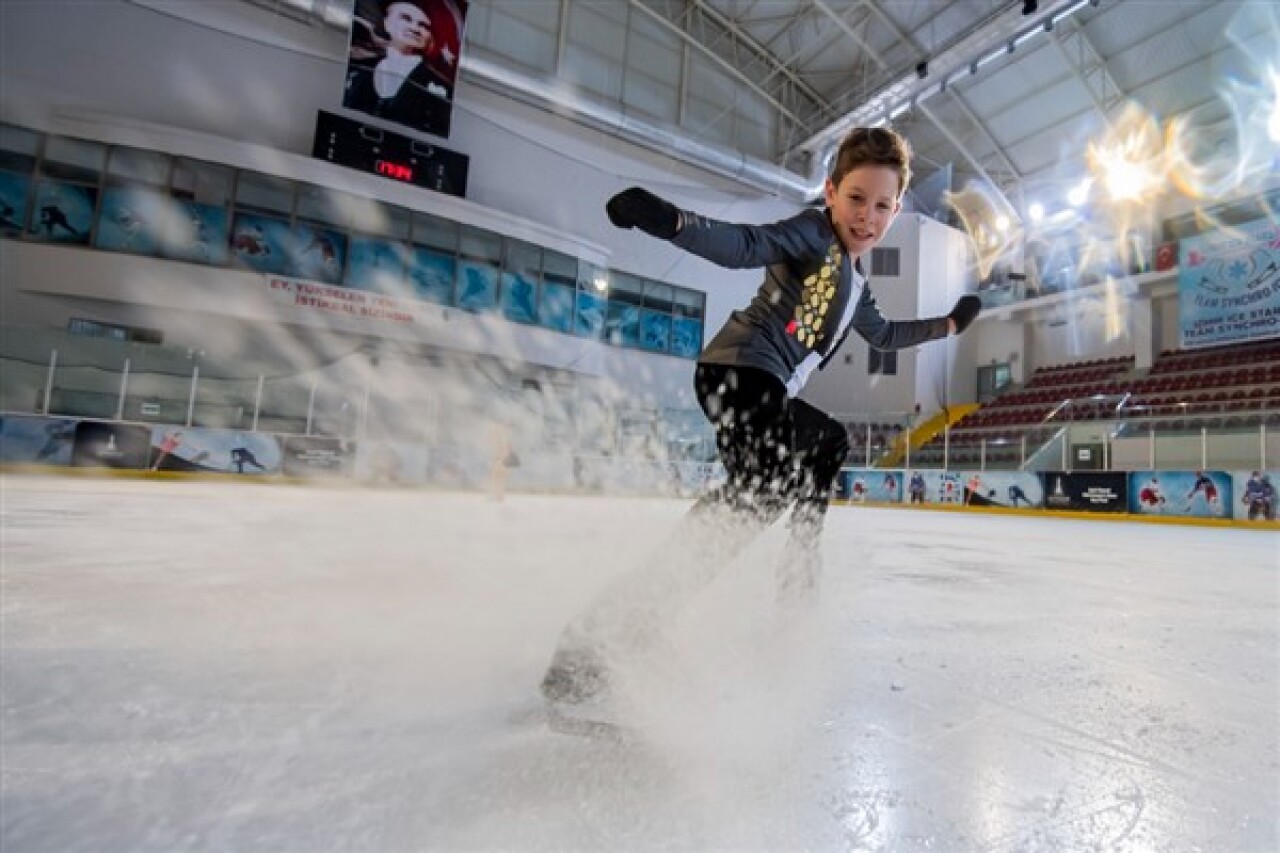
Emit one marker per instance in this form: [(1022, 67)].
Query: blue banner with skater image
[(63, 212), (686, 337), (145, 221), (268, 245), (377, 265), (37, 440), (431, 275), (132, 220), (1006, 489), (655, 330), (519, 297), (477, 286), (15, 191), (555, 309), (196, 450)]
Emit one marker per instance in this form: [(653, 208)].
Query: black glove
[(966, 310), (639, 208)]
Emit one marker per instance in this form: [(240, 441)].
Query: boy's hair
[(874, 146)]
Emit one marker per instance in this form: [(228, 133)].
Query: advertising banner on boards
[(1091, 491)]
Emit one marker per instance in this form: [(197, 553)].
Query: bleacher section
[(1221, 388), (870, 440)]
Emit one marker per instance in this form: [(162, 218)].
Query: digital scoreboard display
[(368, 148)]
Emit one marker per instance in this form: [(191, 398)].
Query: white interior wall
[(1004, 342)]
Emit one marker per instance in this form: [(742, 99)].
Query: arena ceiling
[(1011, 95)]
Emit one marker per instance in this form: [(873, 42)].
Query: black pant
[(777, 451)]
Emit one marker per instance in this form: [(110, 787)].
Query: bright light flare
[(1079, 194), (981, 208), (1129, 160)]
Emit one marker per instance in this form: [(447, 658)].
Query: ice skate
[(575, 677)]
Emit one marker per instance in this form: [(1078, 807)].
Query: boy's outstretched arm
[(728, 244), (885, 334)]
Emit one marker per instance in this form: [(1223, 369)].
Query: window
[(593, 284), (147, 202), (94, 329), (882, 363), (559, 281), (522, 271), (264, 194), (200, 226), (73, 159), (689, 303), (18, 148), (135, 166), (885, 261), (435, 232), (659, 296), (480, 254), (622, 315), (202, 183)]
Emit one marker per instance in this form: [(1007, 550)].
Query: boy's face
[(863, 206)]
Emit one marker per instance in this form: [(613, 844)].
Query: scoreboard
[(369, 148)]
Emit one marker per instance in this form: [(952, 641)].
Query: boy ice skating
[(779, 452)]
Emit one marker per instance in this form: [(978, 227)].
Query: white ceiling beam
[(978, 123), (775, 66), (729, 67), (1087, 66), (960, 147)]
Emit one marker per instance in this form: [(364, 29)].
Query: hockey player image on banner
[(870, 485), (1257, 491), (1196, 494), (402, 62), (916, 488)]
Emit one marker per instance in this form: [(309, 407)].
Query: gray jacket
[(811, 297)]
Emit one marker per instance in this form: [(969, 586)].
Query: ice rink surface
[(197, 666)]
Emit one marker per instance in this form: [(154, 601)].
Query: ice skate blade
[(568, 722)]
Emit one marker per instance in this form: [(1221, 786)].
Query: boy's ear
[(829, 192)]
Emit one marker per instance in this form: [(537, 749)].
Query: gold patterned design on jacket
[(809, 322)]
